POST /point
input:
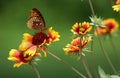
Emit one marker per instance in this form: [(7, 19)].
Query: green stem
[(114, 48), (85, 66), (92, 55), (93, 65), (84, 60), (70, 66), (35, 70), (93, 61), (105, 54), (91, 7), (101, 44), (111, 2)]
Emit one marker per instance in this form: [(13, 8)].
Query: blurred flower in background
[(110, 25), (116, 7)]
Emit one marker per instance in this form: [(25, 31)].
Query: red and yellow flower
[(27, 51), (23, 57), (110, 25), (117, 6), (30, 46), (76, 45), (81, 28), (52, 36)]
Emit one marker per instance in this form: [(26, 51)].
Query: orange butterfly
[(36, 21)]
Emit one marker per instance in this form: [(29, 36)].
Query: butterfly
[(36, 20)]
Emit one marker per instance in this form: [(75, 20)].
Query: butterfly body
[(36, 21)]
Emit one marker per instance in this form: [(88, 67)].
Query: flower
[(76, 45), (23, 57), (38, 39), (27, 51), (52, 36), (26, 42), (41, 38), (30, 46), (110, 25), (118, 2), (117, 6), (81, 28)]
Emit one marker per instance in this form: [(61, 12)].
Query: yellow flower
[(23, 57), (118, 2), (38, 40), (52, 36), (81, 28), (117, 6), (110, 25), (26, 42), (30, 46), (42, 38), (76, 45)]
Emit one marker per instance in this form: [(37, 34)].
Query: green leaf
[(114, 76), (102, 73)]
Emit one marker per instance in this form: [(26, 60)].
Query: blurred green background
[(61, 14)]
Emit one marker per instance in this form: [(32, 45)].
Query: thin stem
[(70, 66), (111, 1), (101, 44), (91, 7), (105, 54), (84, 60), (114, 48), (92, 58), (85, 66), (93, 61), (35, 70), (93, 65), (92, 55)]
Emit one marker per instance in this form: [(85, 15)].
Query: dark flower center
[(39, 38)]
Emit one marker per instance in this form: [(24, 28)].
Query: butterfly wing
[(36, 21)]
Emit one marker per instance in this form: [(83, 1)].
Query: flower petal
[(18, 64), (30, 53), (52, 36), (26, 43), (14, 55)]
